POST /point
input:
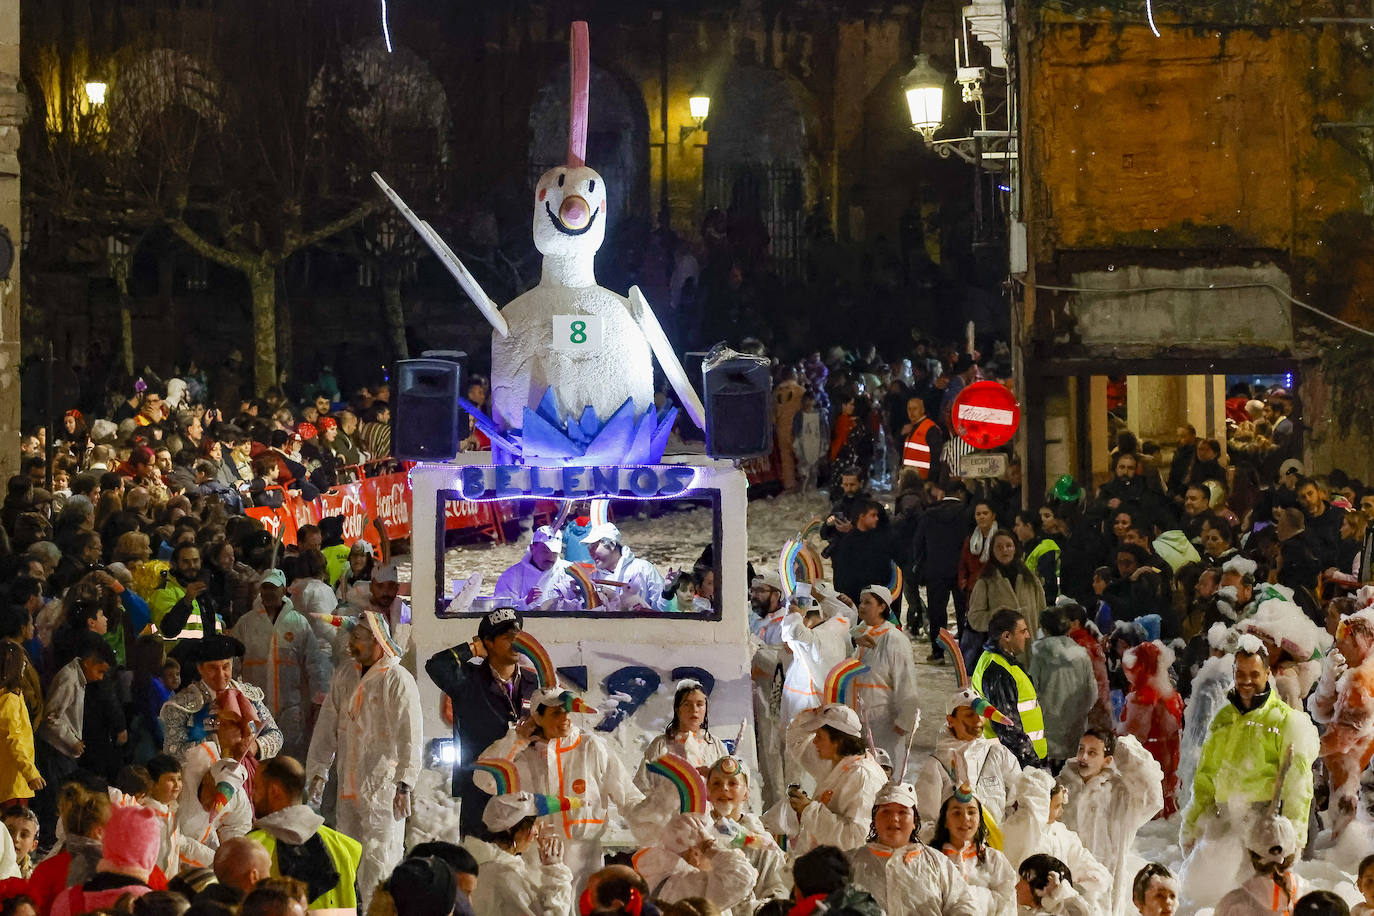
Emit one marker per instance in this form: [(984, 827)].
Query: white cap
[(965, 697), (802, 594), (547, 696), (602, 532), (505, 811), (880, 592), (896, 793), (768, 580), (546, 535), (836, 715), (558, 696), (883, 757), (363, 545), (1272, 839), (1289, 466), (385, 573)]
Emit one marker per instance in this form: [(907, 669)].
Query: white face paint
[(569, 212)]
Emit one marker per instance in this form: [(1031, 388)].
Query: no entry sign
[(985, 415)]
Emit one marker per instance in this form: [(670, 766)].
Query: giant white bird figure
[(570, 210)]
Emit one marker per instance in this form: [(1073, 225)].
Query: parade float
[(573, 430)]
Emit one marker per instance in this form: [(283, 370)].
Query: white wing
[(448, 259), (667, 359)]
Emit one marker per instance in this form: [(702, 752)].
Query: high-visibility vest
[(344, 851), (1045, 546), (336, 561), (1027, 704), (916, 450)]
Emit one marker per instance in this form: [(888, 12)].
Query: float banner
[(489, 482)]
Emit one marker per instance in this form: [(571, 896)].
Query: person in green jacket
[(1236, 775), (301, 847)]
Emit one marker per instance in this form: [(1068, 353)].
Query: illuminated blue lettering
[(537, 488), (606, 480), (643, 482), (573, 482), (505, 481), (677, 480), (474, 482)]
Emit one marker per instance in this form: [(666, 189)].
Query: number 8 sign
[(576, 333)]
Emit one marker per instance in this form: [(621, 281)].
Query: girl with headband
[(727, 786)]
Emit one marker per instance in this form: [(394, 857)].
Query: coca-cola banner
[(386, 498)]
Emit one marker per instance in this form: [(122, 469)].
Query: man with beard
[(180, 608), (540, 581), (1126, 491), (1237, 772), (768, 671)]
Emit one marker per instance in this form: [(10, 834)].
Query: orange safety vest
[(916, 451)]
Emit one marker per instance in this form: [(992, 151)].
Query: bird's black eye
[(560, 180), (591, 187)]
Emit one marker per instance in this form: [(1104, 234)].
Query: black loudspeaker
[(429, 419), (739, 416)]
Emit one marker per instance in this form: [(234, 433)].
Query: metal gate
[(773, 193)]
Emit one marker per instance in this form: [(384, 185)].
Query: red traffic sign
[(985, 415)]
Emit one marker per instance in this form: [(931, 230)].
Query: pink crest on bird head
[(581, 66)]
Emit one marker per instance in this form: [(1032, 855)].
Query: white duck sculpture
[(533, 375)]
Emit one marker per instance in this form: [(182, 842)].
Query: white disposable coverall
[(842, 811), (290, 659), (991, 880), (513, 886), (370, 729), (1027, 832), (992, 770), (200, 832), (579, 766), (1260, 896), (770, 654), (769, 862), (814, 652), (727, 883), (643, 584), (913, 880), (557, 590), (1108, 810), (887, 692)]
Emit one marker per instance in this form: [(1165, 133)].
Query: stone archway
[(758, 166), (617, 137)]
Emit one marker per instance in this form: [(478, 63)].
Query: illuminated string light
[(386, 28), (1149, 14)]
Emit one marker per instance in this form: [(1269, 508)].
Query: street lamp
[(95, 92), (925, 94), (699, 105)]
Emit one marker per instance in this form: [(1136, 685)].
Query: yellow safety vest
[(1027, 704), (1045, 546), (336, 562), (344, 851)]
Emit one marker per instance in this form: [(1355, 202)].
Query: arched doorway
[(757, 166), (617, 137)]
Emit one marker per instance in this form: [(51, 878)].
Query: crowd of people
[(199, 718)]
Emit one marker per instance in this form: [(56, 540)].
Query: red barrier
[(388, 498)]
